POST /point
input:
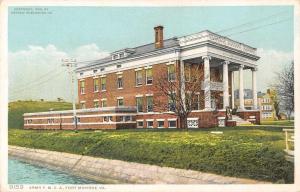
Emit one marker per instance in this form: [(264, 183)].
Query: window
[(50, 121), (160, 123), (120, 82), (149, 103), (140, 124), (82, 105), (138, 78), (128, 118), (103, 103), (171, 102), (139, 104), (172, 123), (149, 76), (81, 74), (82, 87), (187, 72), (29, 121), (96, 85), (122, 55), (150, 124), (103, 83), (78, 119), (171, 72), (96, 104), (119, 66), (95, 70), (114, 57), (107, 118), (102, 69), (196, 102), (120, 102)]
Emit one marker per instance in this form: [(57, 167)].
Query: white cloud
[(270, 62), (28, 71)]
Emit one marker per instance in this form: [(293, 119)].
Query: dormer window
[(102, 69), (119, 66), (95, 70), (121, 53), (114, 57)]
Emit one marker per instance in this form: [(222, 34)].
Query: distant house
[(248, 99), (266, 106)]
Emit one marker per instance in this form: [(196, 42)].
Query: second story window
[(149, 103), (139, 104), (139, 78), (120, 82), (171, 72), (103, 83), (149, 76), (82, 87), (103, 103), (120, 102), (82, 105), (96, 104), (171, 102), (96, 85)]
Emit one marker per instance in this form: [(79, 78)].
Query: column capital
[(241, 66), (206, 57), (254, 69), (225, 62)]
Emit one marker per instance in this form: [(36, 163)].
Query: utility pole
[(71, 65)]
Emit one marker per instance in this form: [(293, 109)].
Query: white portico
[(222, 59)]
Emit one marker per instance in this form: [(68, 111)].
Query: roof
[(140, 50)]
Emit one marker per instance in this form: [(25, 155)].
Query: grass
[(18, 108), (279, 122), (255, 152)]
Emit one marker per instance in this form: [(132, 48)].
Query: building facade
[(266, 106), (128, 78)]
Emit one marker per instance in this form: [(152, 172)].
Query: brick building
[(126, 79)]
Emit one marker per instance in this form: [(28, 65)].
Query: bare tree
[(169, 85), (285, 88)]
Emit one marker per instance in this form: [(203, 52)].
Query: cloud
[(37, 73), (270, 62)]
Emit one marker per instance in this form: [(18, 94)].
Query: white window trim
[(169, 123), (170, 63), (149, 94), (148, 67), (193, 118), (149, 119), (172, 119), (139, 96), (139, 120), (120, 97), (138, 69), (119, 73)]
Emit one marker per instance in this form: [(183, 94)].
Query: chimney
[(159, 36)]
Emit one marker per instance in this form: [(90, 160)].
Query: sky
[(38, 41)]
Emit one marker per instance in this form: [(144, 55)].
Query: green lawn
[(279, 122), (18, 108), (253, 152)]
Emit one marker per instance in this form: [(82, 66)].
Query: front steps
[(240, 121)]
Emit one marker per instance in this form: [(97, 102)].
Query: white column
[(207, 95), (225, 85), (182, 80), (232, 89), (241, 89), (254, 91)]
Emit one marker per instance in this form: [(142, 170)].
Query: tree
[(276, 102), (285, 88), (170, 84)]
